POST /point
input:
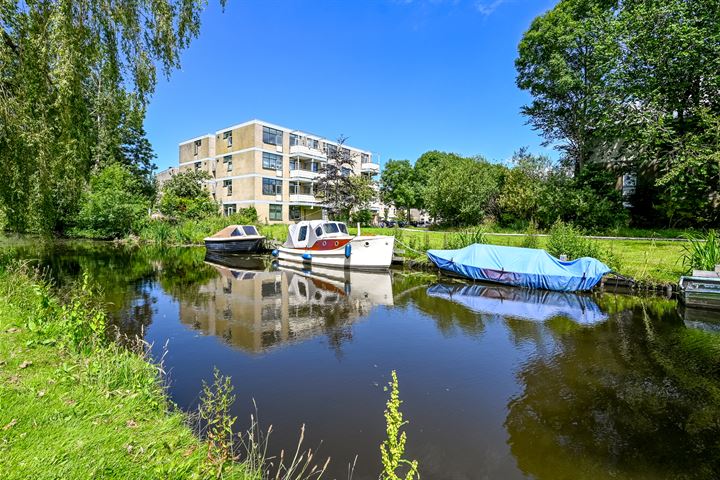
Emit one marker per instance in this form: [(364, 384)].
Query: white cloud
[(487, 8)]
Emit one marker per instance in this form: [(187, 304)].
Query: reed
[(701, 252)]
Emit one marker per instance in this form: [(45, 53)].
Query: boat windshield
[(250, 230), (331, 228), (342, 228), (237, 233)]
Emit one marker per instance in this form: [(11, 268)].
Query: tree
[(466, 192), (521, 195), (562, 61), (398, 186), (71, 71), (424, 172), (114, 205), (335, 187), (185, 196)]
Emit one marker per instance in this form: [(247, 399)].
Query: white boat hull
[(366, 253)]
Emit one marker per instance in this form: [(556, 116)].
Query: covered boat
[(520, 267), (329, 244), (235, 239)]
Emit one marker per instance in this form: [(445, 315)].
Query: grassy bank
[(75, 406), (647, 260), (655, 261)]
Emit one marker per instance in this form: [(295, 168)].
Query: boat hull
[(252, 245), (365, 253)]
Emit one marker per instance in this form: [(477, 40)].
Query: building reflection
[(256, 310)]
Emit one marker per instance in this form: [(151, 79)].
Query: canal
[(496, 382)]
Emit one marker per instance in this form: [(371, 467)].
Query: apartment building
[(269, 167)]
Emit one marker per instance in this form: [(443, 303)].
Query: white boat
[(328, 244)]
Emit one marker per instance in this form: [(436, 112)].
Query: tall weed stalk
[(392, 450)]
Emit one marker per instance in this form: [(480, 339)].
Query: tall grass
[(701, 252), (467, 237)]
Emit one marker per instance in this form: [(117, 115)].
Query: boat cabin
[(235, 232), (308, 233)]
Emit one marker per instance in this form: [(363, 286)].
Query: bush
[(185, 196), (364, 217), (565, 239), (114, 206)]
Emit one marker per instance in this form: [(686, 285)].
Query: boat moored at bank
[(235, 239), (329, 244)]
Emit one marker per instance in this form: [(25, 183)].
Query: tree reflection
[(647, 406)]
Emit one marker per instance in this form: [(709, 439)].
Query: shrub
[(566, 239), (114, 205), (363, 216), (531, 239), (185, 196), (465, 238)]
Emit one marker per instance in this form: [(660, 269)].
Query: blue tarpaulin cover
[(533, 305), (521, 267)]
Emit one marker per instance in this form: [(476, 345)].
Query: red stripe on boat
[(331, 244)]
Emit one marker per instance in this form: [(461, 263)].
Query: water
[(496, 382)]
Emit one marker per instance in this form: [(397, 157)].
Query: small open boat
[(235, 239), (328, 244), (520, 267)]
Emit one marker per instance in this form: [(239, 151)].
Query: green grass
[(88, 413), (654, 261)]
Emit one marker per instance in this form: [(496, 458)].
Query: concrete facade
[(268, 167)]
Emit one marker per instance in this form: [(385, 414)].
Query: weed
[(468, 237), (701, 252), (392, 450), (215, 403)]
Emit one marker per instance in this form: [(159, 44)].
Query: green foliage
[(523, 188), (530, 240), (464, 190), (114, 206), (566, 239), (336, 187), (398, 186), (76, 76), (364, 217), (189, 231), (392, 450), (702, 252), (184, 195), (215, 403)]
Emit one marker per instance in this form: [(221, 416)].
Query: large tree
[(398, 186), (71, 71), (335, 187), (562, 62)]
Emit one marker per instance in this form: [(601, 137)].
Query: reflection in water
[(630, 400), (496, 382), (257, 310), (522, 303)]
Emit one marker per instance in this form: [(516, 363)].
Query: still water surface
[(496, 382)]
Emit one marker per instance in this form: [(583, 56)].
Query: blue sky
[(398, 77)]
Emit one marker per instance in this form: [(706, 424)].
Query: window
[(227, 136), (250, 230), (342, 228), (272, 161), (197, 165), (330, 150), (303, 233), (272, 136), (228, 209), (364, 158), (318, 232), (295, 215), (294, 140), (275, 212), (196, 147), (314, 144), (294, 188), (293, 164), (314, 167), (344, 171), (331, 228), (228, 184), (227, 160), (271, 186)]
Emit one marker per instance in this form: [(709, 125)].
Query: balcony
[(307, 152), (369, 167), (301, 174), (302, 198)]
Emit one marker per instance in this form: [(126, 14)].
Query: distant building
[(268, 167)]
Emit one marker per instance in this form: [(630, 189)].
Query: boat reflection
[(257, 310), (521, 303)]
